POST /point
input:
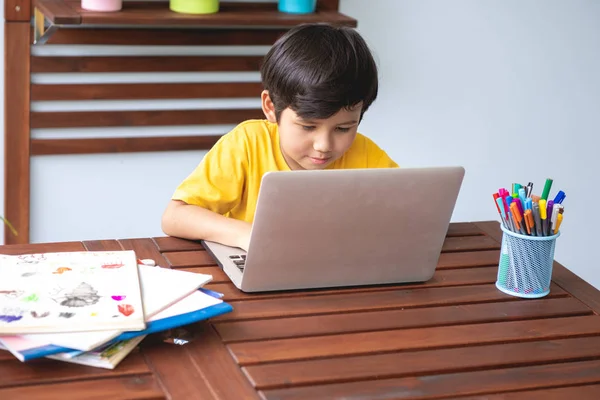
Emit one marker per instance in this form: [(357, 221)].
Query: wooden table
[(455, 336)]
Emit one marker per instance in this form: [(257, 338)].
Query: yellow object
[(228, 179), (194, 6), (559, 219)]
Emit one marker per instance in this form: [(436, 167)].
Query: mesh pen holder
[(525, 266)]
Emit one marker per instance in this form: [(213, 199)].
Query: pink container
[(102, 5)]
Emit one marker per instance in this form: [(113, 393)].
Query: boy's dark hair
[(318, 69)]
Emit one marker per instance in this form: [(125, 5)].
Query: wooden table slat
[(140, 387), (41, 248), (144, 248), (169, 243), (471, 276), (315, 325), (177, 375), (429, 362), (436, 386), (102, 245), (248, 353), (190, 258), (468, 259), (583, 392), (44, 371), (365, 301), (469, 243), (464, 229)]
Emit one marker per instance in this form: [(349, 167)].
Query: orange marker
[(517, 217), (528, 221)]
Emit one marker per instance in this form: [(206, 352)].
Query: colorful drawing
[(12, 294), (69, 291), (31, 297), (31, 259), (41, 315), (11, 314), (10, 318), (126, 309), (113, 265), (82, 296)]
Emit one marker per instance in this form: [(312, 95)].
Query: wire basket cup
[(525, 266)]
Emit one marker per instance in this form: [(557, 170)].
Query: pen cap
[(549, 207), (543, 209), (547, 187), (496, 196), (517, 201), (500, 205)]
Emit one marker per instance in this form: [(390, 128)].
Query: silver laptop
[(354, 227)]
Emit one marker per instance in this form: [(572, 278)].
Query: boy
[(319, 81)]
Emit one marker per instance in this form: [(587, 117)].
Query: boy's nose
[(322, 143)]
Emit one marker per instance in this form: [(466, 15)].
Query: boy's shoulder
[(364, 142), (249, 133), (253, 127)]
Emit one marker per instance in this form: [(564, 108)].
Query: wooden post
[(17, 39)]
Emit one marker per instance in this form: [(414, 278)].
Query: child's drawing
[(55, 292), (31, 259), (11, 294), (11, 314), (82, 296), (126, 309), (35, 314), (31, 297)]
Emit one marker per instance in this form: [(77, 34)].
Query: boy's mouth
[(319, 161)]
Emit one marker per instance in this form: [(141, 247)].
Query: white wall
[(507, 88)]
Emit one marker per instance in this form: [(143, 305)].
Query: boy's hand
[(244, 237)]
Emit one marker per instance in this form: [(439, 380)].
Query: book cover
[(107, 357), (70, 291)]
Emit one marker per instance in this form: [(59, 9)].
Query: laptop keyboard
[(239, 261)]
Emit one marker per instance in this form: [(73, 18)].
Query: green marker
[(547, 187)]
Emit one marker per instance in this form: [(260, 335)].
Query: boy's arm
[(193, 222), (198, 207)]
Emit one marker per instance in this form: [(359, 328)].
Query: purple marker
[(549, 207)]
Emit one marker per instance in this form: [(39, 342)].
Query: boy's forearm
[(193, 222)]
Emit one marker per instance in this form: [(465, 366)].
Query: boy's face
[(317, 143)]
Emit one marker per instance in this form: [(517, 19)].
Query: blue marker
[(560, 196), (522, 195)]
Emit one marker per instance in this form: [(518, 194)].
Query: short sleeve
[(377, 157), (217, 183)]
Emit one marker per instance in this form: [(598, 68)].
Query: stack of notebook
[(94, 308)]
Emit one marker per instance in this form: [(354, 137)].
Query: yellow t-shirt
[(228, 178)]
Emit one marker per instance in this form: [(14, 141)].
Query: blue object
[(297, 6)]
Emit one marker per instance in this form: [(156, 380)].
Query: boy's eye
[(342, 129), (308, 127)]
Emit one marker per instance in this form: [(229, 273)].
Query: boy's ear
[(268, 107)]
